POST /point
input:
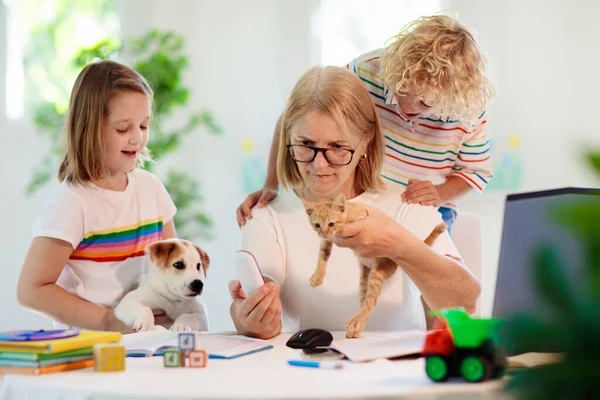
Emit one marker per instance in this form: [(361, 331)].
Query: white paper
[(148, 342), (384, 346)]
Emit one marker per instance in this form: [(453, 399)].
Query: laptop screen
[(530, 221)]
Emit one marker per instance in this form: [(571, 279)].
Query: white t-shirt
[(287, 248), (109, 231)]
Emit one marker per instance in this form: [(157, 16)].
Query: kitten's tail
[(437, 231)]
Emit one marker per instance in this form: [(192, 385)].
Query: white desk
[(264, 375)]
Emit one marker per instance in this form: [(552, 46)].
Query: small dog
[(172, 283)]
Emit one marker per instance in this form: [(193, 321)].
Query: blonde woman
[(88, 241), (330, 143), (430, 89)]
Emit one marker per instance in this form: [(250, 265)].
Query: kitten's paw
[(144, 321), (355, 327), (316, 279), (352, 334)]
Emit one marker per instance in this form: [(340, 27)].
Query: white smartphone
[(248, 271)]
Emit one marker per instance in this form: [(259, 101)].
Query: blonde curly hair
[(438, 60)]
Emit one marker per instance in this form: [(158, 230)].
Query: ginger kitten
[(326, 219)]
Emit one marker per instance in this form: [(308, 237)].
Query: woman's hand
[(377, 235), (259, 198), (258, 315)]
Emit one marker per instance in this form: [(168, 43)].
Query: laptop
[(530, 221)]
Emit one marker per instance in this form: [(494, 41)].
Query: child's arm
[(37, 289), (472, 170), (269, 191), (169, 231), (474, 165), (453, 189)]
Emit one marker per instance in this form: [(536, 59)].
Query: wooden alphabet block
[(186, 341), (174, 358), (109, 357), (197, 358)]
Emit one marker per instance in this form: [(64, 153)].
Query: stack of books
[(35, 357)]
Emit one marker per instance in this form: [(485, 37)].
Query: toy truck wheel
[(475, 369), (436, 368), (499, 371)]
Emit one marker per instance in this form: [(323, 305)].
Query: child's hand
[(113, 324), (261, 198), (161, 318), (422, 192)]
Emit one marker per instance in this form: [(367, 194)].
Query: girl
[(88, 241)]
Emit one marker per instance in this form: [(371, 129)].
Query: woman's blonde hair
[(338, 93), (438, 60), (92, 92)]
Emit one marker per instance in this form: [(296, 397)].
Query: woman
[(331, 143)]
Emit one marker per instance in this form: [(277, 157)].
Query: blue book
[(13, 355), (42, 363)]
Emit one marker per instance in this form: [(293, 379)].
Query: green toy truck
[(463, 347)]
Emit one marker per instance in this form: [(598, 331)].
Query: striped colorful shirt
[(108, 231), (118, 244), (430, 148)]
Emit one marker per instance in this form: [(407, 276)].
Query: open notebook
[(374, 345), (153, 343)]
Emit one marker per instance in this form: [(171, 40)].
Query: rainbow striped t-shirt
[(108, 231), (430, 148)]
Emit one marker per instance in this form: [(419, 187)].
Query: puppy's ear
[(158, 252), (204, 257)]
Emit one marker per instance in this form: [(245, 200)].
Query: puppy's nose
[(196, 286)]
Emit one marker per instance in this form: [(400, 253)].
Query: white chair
[(467, 237)]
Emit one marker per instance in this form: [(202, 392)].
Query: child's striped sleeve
[(474, 163)]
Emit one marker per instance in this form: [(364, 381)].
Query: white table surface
[(263, 375)]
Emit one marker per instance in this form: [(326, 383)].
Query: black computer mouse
[(313, 337)]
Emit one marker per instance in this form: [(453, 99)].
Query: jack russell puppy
[(172, 283)]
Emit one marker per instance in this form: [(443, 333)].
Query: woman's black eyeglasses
[(334, 156)]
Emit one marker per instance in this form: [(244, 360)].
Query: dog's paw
[(316, 279), (187, 323), (178, 327), (159, 328), (144, 321)]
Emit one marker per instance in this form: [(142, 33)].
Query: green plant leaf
[(594, 160), (551, 281), (582, 219), (40, 177)]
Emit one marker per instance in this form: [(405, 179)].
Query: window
[(43, 39), (349, 28)]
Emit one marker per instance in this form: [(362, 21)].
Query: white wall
[(543, 56), (244, 59), (20, 151)]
